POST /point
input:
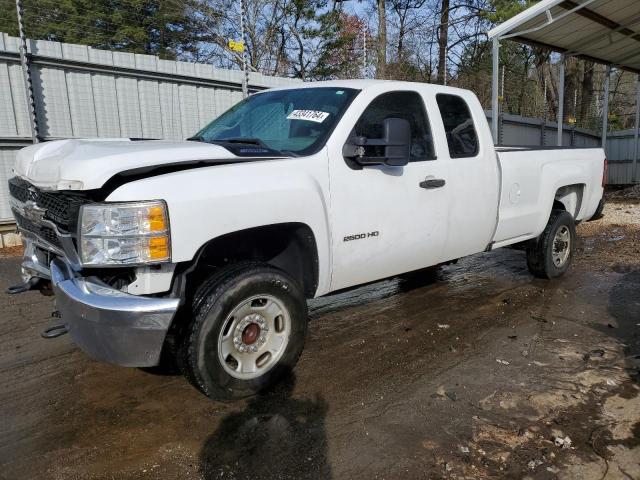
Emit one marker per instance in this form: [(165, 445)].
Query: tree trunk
[(402, 20), (586, 102), (382, 40), (443, 40), (570, 86)]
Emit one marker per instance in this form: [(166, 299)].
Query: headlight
[(124, 233)]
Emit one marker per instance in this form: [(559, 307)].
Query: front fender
[(206, 203)]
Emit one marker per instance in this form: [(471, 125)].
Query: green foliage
[(156, 27), (8, 21), (505, 9), (337, 32)]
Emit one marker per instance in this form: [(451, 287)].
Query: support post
[(26, 73), (245, 77), (495, 105), (561, 102), (543, 125), (605, 107), (636, 147)]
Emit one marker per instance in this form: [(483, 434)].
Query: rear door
[(473, 176), (384, 221)]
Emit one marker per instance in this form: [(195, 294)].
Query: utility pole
[(382, 39), (245, 78), (26, 72), (364, 51)]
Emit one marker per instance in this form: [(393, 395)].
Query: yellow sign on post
[(236, 45)]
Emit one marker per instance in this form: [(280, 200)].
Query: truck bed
[(520, 148), (532, 178)]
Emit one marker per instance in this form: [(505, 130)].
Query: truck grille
[(61, 207), (42, 231)]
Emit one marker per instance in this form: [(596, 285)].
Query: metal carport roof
[(604, 31)]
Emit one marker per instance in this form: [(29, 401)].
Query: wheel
[(249, 329), (550, 255), (599, 211)]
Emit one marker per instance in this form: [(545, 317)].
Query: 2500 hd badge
[(360, 236)]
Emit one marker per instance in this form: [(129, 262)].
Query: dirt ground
[(482, 372)]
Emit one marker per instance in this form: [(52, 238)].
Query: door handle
[(432, 183)]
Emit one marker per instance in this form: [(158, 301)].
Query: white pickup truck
[(207, 249)]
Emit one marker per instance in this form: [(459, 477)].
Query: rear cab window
[(462, 138)]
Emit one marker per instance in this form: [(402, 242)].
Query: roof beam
[(550, 20), (535, 43), (629, 57), (597, 37), (600, 19)]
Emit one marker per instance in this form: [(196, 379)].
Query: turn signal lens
[(156, 218), (159, 248)]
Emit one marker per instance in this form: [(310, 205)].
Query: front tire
[(549, 256), (249, 330)]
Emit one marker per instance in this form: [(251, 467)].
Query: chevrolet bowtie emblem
[(33, 212), (33, 194)]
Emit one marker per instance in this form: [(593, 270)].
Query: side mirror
[(395, 145)]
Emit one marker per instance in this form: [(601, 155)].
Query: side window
[(458, 125), (407, 105)]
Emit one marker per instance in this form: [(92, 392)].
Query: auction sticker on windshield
[(310, 115)]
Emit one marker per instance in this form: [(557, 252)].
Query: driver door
[(387, 220)]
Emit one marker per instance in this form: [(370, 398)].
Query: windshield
[(295, 122)]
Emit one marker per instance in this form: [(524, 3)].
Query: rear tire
[(599, 211), (249, 330), (550, 255)]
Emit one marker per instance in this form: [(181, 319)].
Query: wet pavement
[(476, 371)]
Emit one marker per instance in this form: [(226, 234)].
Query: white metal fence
[(620, 147), (81, 92)]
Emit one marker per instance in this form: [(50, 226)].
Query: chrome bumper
[(110, 325)]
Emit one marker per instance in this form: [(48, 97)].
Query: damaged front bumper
[(110, 325), (106, 323)]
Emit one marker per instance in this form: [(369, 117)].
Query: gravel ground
[(480, 372)]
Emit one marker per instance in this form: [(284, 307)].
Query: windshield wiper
[(248, 141), (196, 138)]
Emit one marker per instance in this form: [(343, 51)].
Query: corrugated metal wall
[(85, 92), (7, 157), (620, 152), (518, 130)]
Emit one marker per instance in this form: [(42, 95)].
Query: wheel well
[(291, 247), (569, 199)]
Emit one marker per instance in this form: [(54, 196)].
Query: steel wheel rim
[(561, 247), (254, 336)]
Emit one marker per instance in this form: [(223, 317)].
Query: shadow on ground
[(275, 436), (626, 312)]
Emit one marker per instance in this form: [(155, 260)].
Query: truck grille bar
[(60, 207)]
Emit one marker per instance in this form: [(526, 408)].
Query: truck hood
[(88, 164)]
